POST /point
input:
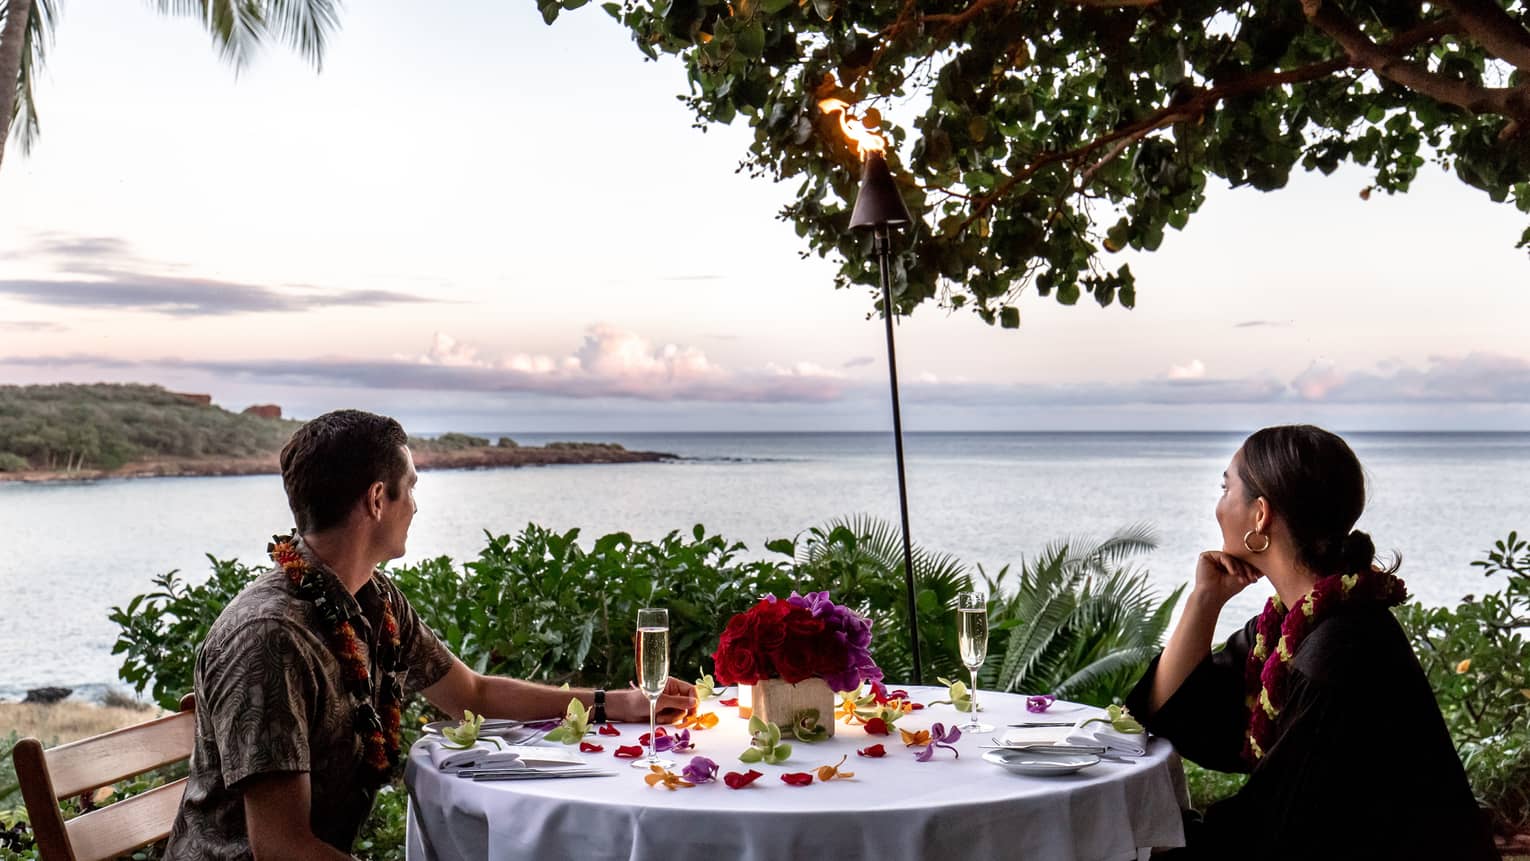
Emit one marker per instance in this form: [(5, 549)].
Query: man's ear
[(375, 496)]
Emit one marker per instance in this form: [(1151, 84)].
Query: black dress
[(1362, 765)]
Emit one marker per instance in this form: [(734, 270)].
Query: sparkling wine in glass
[(972, 639), (653, 674)]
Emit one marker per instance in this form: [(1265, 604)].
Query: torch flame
[(866, 142)]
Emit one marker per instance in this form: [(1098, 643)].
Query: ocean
[(73, 551)]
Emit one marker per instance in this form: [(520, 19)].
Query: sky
[(474, 221)]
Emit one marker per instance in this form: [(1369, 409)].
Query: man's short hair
[(329, 463)]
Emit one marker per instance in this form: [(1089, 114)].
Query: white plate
[(1040, 764)]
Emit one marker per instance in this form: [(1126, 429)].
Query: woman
[(1324, 706)]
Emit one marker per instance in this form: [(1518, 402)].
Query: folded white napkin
[(1102, 733), (1035, 735), (484, 754)]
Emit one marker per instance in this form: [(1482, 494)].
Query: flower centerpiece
[(796, 653)]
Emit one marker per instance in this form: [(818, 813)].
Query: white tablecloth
[(894, 808)]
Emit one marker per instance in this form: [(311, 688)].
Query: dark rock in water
[(47, 696)]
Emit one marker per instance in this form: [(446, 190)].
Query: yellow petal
[(651, 779), (845, 775)]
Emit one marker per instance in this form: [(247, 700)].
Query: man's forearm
[(1188, 646)]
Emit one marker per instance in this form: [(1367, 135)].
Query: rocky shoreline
[(478, 457)]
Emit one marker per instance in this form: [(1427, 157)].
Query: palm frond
[(1118, 661), (42, 15), (239, 26)]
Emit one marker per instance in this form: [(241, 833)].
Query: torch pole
[(883, 245)]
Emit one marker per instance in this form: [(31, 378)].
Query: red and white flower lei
[(1268, 667)]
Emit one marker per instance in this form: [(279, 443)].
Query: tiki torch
[(879, 208)]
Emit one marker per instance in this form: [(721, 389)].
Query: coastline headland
[(91, 432)]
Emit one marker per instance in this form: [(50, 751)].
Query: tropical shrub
[(161, 630), (1477, 657), (1079, 621)]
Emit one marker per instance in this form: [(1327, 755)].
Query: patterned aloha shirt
[(270, 699)]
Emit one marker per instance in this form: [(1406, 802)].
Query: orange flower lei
[(380, 735)]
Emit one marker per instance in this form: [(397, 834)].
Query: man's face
[(398, 513)]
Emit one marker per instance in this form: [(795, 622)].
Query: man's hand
[(631, 705)]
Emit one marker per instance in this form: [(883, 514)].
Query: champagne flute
[(972, 637), (653, 675)]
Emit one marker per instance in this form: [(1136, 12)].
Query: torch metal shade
[(878, 204)]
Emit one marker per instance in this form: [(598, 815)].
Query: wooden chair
[(82, 766)]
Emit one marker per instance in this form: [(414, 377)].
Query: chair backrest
[(81, 766)]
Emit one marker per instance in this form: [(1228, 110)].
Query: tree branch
[(1493, 29), (1389, 63), (1198, 103)]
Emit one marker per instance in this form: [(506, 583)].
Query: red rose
[(795, 661), (770, 624), (736, 665)]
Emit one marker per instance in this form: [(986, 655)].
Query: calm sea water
[(75, 550)]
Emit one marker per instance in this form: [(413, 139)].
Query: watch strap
[(598, 710)]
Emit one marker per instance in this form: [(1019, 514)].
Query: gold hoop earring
[(1251, 549)]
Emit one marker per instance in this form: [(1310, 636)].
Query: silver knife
[(1044, 723)]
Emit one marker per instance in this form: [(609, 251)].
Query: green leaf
[(751, 39)]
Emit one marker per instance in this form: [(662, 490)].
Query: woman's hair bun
[(1357, 552)]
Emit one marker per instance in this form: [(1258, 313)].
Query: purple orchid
[(940, 736), (700, 770), (680, 742), (1039, 703)]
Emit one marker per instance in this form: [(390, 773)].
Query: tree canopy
[(1034, 139)]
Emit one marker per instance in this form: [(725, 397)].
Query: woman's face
[(1236, 513)]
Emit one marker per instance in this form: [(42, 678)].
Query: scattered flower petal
[(876, 726), (1039, 703), (741, 779), (609, 729), (590, 747), (669, 779), (629, 751), (730, 702), (827, 773), (700, 770), (797, 778), (910, 739), (875, 751)]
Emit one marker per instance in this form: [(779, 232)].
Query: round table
[(894, 807)]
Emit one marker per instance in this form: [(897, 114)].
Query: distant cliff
[(73, 432)]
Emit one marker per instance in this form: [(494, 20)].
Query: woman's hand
[(1220, 576), (631, 705)]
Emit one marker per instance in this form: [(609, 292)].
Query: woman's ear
[(1261, 515)]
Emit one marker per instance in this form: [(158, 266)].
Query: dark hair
[(1312, 479), (329, 463)]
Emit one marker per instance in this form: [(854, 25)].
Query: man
[(300, 680)]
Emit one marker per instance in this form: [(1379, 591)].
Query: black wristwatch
[(598, 710)]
